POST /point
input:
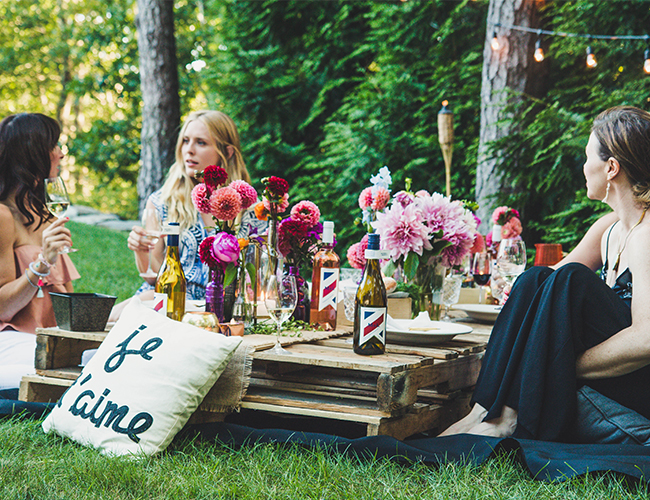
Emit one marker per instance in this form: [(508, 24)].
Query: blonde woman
[(206, 138)]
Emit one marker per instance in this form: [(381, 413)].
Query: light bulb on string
[(539, 51), (591, 58), (646, 63), (495, 42)]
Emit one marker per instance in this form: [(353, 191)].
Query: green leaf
[(390, 268), (230, 274), (411, 264)]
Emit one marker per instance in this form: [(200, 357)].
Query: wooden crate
[(405, 391)]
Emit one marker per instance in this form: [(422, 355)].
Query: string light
[(591, 60), (539, 51), (495, 42)]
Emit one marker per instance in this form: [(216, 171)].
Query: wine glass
[(58, 202), (280, 298), (451, 292), (482, 270), (153, 230), (511, 261)]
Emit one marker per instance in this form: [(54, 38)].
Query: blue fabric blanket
[(544, 460)]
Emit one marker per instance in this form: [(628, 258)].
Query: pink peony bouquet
[(508, 219), (224, 203), (420, 228), (299, 235)]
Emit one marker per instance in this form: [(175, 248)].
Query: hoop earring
[(606, 193)]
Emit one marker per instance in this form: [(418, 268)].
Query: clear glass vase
[(430, 279)]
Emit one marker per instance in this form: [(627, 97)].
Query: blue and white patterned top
[(197, 274)]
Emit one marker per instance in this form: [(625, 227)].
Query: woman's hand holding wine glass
[(58, 202), (151, 235), (280, 298)]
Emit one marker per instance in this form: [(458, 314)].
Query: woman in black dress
[(566, 327)]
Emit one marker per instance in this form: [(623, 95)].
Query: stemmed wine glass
[(482, 270), (153, 229), (280, 298), (511, 261), (451, 292), (58, 202)]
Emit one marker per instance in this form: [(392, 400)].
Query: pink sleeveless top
[(39, 313)]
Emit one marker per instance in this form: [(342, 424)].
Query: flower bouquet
[(222, 251), (426, 234)]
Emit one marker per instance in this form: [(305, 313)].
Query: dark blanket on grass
[(544, 460)]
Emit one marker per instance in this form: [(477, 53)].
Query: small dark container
[(82, 312)]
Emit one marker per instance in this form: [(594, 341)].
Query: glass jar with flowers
[(426, 234), (275, 201), (221, 251)]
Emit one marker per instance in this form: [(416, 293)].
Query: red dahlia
[(277, 185), (214, 176)]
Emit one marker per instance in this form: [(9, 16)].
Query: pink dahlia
[(225, 203), (404, 198), (280, 207), (402, 231), (380, 198), (214, 175), (501, 215), (365, 198), (307, 212), (512, 228), (479, 244), (291, 233), (352, 257), (246, 191), (201, 198)]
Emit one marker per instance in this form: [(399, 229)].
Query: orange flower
[(243, 243), (260, 212)]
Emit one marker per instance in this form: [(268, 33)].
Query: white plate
[(405, 331), (481, 312)]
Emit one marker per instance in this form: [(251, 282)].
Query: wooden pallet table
[(403, 392)]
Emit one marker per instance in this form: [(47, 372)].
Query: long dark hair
[(26, 143)]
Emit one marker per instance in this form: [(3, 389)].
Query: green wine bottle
[(370, 307), (171, 286)]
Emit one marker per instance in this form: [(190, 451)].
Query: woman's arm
[(141, 247), (587, 252), (17, 292), (629, 349)]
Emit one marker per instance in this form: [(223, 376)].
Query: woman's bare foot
[(467, 423), (503, 426)]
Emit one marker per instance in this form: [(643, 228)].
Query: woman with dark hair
[(567, 327), (31, 239)]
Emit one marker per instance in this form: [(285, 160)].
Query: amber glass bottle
[(170, 283)]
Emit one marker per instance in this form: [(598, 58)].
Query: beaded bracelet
[(32, 268), (39, 294)]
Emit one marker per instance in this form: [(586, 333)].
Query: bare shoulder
[(8, 224)]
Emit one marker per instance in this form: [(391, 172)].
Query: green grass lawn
[(38, 466)]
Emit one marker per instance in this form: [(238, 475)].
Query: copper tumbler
[(547, 254)]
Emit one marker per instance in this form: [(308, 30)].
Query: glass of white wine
[(153, 230), (58, 202), (280, 298)]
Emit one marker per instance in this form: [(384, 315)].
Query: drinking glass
[(511, 261), (58, 202), (280, 298), (153, 230), (451, 292), (482, 270)]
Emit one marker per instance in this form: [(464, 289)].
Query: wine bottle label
[(377, 254), (160, 303), (372, 324), (328, 291)]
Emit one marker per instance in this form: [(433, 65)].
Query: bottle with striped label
[(325, 282)]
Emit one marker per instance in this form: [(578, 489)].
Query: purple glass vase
[(301, 312), (214, 293)]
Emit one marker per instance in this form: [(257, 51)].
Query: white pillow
[(143, 384)]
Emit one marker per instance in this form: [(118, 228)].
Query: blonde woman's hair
[(177, 189)]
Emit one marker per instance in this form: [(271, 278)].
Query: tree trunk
[(160, 100), (507, 74)]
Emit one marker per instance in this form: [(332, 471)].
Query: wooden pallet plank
[(53, 351), (427, 352), (316, 355), (452, 375), (65, 373), (36, 388), (68, 334)]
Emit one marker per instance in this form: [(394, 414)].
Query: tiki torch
[(446, 140)]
